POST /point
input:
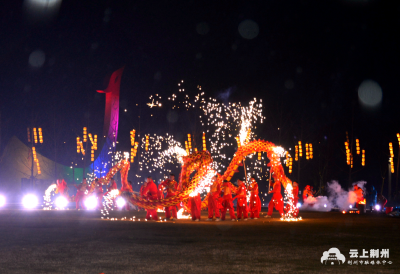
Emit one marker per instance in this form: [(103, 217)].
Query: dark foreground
[(80, 242)]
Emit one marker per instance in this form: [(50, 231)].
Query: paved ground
[(80, 242)]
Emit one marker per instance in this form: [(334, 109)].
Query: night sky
[(305, 59)]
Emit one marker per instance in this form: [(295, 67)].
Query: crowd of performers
[(219, 200)]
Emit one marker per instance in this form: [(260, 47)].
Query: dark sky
[(306, 61)]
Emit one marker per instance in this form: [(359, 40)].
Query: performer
[(80, 194), (150, 192), (227, 189), (381, 200), (195, 207), (213, 203), (295, 198), (255, 202), (359, 195), (170, 185), (62, 188), (307, 193), (241, 195), (276, 200), (98, 192)]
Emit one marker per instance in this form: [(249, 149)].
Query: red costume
[(227, 202), (213, 204), (241, 195), (80, 195), (62, 188), (255, 203), (195, 207), (276, 199), (98, 191), (295, 198), (150, 192), (307, 193), (171, 186)]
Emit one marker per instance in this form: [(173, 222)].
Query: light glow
[(91, 202), (30, 201), (2, 200), (61, 202)]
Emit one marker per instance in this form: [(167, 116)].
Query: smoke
[(320, 203), (341, 198), (224, 95), (337, 198)]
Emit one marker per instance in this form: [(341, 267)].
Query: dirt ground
[(80, 242)]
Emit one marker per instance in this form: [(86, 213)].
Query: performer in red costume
[(98, 192), (227, 203), (170, 185), (150, 192), (255, 202), (62, 188), (213, 204), (241, 195), (195, 207), (276, 200), (295, 198), (359, 194), (307, 193), (80, 194)]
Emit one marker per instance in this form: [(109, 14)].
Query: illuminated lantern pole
[(363, 158), (259, 156), (84, 134), (311, 150), (133, 132), (391, 157), (95, 142), (78, 145), (398, 161), (147, 143), (307, 153), (204, 141), (35, 135), (358, 146), (300, 150), (40, 135), (290, 164), (296, 155), (189, 142)]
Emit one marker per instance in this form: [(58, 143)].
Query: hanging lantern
[(259, 156), (307, 152), (84, 134), (78, 145), (82, 149), (29, 134), (147, 143), (358, 146), (91, 138), (187, 147), (237, 140), (95, 142), (398, 138), (35, 135), (40, 135), (300, 150), (296, 154), (290, 164), (363, 158), (204, 141), (133, 132), (391, 150), (311, 150)]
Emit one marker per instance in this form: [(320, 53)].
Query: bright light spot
[(61, 202), (350, 206), (37, 58), (29, 201), (91, 202), (248, 29), (180, 215), (125, 110), (298, 205), (377, 207), (370, 93), (2, 200), (324, 205), (120, 202)]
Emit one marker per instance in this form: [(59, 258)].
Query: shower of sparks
[(108, 204), (48, 194), (289, 199)]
